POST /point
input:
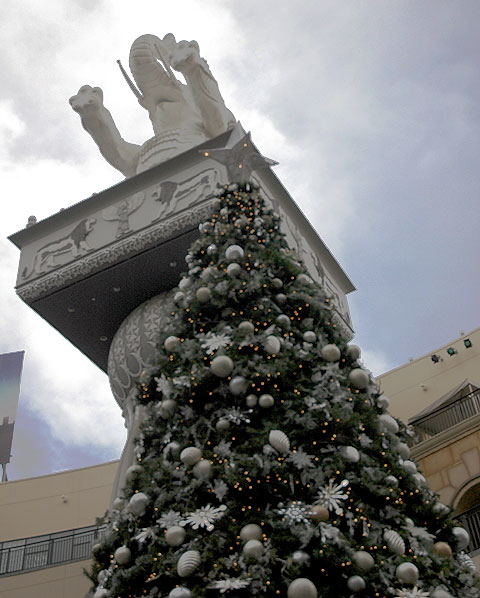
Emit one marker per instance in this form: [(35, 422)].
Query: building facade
[(439, 396)]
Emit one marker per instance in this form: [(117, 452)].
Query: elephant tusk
[(130, 83)]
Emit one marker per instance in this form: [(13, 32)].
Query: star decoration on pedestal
[(239, 156)]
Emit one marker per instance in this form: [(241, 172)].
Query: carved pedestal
[(87, 268)]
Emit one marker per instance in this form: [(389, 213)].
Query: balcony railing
[(471, 522), (28, 554), (446, 417)]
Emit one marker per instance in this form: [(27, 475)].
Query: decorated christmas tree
[(267, 463)]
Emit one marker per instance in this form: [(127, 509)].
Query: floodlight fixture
[(435, 358), (451, 351), (467, 342)]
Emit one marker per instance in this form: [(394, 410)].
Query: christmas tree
[(268, 464)]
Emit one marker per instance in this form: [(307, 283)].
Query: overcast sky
[(371, 108)]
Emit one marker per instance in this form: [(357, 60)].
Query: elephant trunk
[(154, 79)]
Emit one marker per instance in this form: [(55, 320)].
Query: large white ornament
[(363, 560), (132, 471), (234, 269), (171, 343), (221, 366), (251, 531), (180, 593), (122, 555), (391, 480), (234, 252), (272, 345), (277, 283), (222, 424), (383, 402), (353, 351), (440, 593), (358, 378), (253, 549), (301, 557), (175, 535), (332, 353), (167, 408), (350, 454), (251, 400), (101, 593), (266, 401), (185, 284), (283, 321), (394, 541), (138, 504), (246, 327), (407, 573), (387, 423), (356, 583), (279, 440), (462, 537), (403, 450), (302, 588), (102, 576), (188, 562), (238, 385), (190, 455), (409, 467), (309, 336), (203, 469), (203, 294), (118, 503)]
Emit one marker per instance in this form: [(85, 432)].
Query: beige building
[(47, 529), (439, 395)]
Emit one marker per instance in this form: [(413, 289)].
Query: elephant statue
[(183, 115)]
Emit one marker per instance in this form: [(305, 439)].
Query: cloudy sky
[(371, 108)]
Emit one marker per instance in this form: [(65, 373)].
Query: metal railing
[(446, 417), (471, 522), (28, 554)]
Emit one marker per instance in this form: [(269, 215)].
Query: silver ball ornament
[(118, 504), (266, 401), (251, 400), (175, 535), (409, 467), (234, 252), (272, 345), (180, 593), (387, 423), (403, 450), (359, 378), (363, 560), (281, 298), (462, 537), (167, 408), (238, 385), (203, 469), (353, 351), (190, 455), (122, 555), (212, 249), (101, 593), (185, 284), (283, 321), (171, 343), (302, 588), (253, 549), (350, 454), (301, 557), (251, 531), (138, 504), (309, 336), (222, 424), (331, 352), (407, 573), (203, 294), (234, 269), (246, 327), (356, 583), (277, 283), (221, 366)]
